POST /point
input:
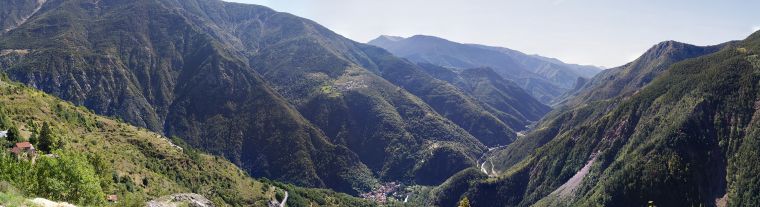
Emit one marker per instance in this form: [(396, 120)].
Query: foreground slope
[(160, 67), (133, 163), (687, 138)]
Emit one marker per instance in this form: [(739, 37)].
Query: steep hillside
[(687, 138), (544, 78), (503, 98), (278, 95), (629, 78), (596, 97), (156, 65), (96, 156), (16, 12)]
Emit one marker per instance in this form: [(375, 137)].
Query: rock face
[(181, 199)]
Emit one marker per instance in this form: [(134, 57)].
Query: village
[(386, 192)]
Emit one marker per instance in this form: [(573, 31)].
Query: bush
[(66, 178)]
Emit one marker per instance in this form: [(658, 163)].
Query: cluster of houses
[(381, 194)]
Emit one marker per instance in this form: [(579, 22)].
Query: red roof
[(24, 145), (16, 150)]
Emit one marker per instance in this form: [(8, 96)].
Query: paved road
[(484, 158), (284, 200)]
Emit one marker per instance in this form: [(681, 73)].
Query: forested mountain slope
[(628, 79), (16, 12), (602, 93), (278, 95), (687, 138), (502, 97), (96, 156), (157, 66)]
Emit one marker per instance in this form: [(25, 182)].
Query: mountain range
[(544, 78), (278, 95), (248, 106)]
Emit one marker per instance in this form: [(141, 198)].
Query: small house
[(24, 150), (112, 198), (4, 134)]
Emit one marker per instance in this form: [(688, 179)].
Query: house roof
[(24, 145), (112, 198), (3, 134), (16, 150)]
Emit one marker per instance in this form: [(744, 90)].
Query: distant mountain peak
[(385, 39), (669, 49), (420, 36), (670, 44), (391, 38)]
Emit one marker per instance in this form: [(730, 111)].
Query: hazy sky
[(599, 32)]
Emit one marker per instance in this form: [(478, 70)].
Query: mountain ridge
[(544, 79), (653, 145), (270, 91)]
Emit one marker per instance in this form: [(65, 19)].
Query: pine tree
[(464, 202), (34, 139), (5, 121), (46, 138), (13, 135)]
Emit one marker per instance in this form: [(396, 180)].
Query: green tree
[(464, 202), (34, 139), (5, 121), (47, 139), (68, 178), (13, 135)]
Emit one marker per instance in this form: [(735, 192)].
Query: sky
[(605, 33)]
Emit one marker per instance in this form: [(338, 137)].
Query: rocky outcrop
[(181, 199), (48, 203)]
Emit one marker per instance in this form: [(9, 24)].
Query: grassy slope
[(148, 160)]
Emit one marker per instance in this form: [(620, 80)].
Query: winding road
[(284, 200), (484, 158)]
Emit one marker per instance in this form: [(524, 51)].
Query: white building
[(3, 134)]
